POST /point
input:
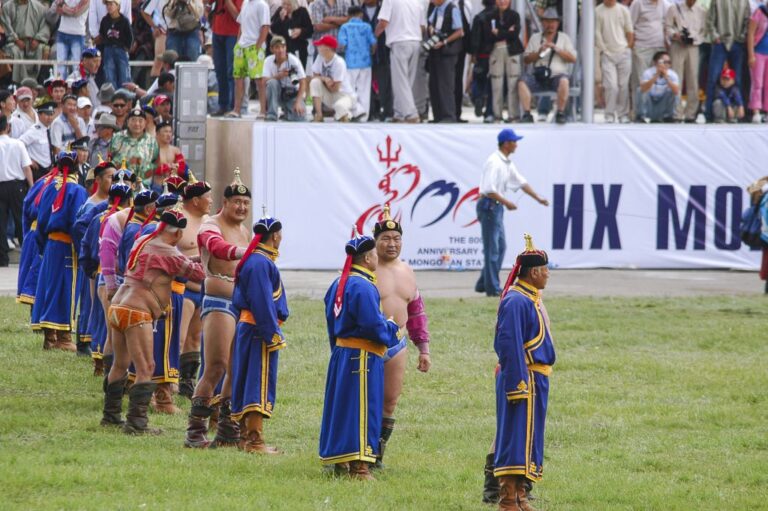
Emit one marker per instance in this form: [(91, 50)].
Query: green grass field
[(655, 405)]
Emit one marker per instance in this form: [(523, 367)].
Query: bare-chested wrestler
[(144, 297), (223, 240), (400, 300), (197, 205), (169, 159)]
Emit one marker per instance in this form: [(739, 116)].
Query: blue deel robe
[(258, 337), (354, 386), (89, 259), (84, 303), (56, 293), (31, 258), (526, 354)]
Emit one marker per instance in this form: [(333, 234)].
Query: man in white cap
[(24, 116), (85, 112)]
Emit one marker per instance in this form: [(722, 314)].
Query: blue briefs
[(194, 296), (218, 304), (397, 348)]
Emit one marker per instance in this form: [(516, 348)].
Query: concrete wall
[(228, 145)]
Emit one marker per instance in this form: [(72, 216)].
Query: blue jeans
[(491, 216), (718, 56), (187, 45), (115, 64), (68, 47), (275, 102), (656, 108), (223, 62)]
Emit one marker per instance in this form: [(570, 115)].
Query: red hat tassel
[(48, 178), (248, 251), (338, 300), (143, 225), (59, 202), (511, 279)]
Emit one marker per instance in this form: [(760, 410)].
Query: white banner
[(621, 197)]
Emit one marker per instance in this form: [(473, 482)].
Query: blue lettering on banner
[(695, 212), (722, 225), (572, 216)]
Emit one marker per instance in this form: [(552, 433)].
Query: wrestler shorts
[(122, 317), (248, 62), (218, 304), (397, 348), (194, 296)]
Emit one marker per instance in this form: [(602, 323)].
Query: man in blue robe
[(54, 307), (263, 307), (354, 388), (526, 355)]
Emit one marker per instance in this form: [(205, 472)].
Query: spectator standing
[(551, 52), (648, 23), (70, 36), (98, 147), (37, 140), (250, 52), (659, 91), (330, 86), (182, 17), (98, 10), (727, 22), (757, 59), (500, 175), (151, 12), (286, 83), (26, 34), (328, 16), (359, 43), (293, 24), (15, 180), (68, 126), (90, 62), (381, 81), (685, 23), (116, 36), (444, 21), (24, 116), (225, 29), (614, 38), (728, 105), (465, 10), (135, 146), (403, 22), (7, 103), (482, 44), (506, 60)]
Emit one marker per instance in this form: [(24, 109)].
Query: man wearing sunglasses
[(121, 105), (659, 91)]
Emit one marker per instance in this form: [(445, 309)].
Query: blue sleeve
[(78, 199), (456, 23), (509, 346), (80, 226), (261, 299), (343, 38), (366, 309), (723, 96), (371, 37), (89, 258), (281, 303), (330, 318), (736, 98)]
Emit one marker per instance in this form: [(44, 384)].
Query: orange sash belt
[(178, 287), (362, 344), (60, 236), (247, 317)]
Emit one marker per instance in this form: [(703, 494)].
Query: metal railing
[(34, 62)]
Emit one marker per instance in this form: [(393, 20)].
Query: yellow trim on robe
[(364, 271), (22, 298), (362, 344), (33, 226), (544, 369)]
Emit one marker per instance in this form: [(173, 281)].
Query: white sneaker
[(625, 119), (757, 118), (11, 244), (609, 119)]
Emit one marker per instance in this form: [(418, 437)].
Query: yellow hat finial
[(385, 215), (528, 242), (192, 179), (101, 160), (124, 165)]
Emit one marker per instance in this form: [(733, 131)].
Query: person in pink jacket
[(757, 57)]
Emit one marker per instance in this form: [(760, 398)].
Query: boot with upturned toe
[(136, 421), (359, 470), (49, 339), (253, 436), (197, 423), (508, 493), (227, 430), (164, 400), (522, 495), (64, 341)]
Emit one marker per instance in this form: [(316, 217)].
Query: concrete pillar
[(587, 58), (519, 6), (571, 19)]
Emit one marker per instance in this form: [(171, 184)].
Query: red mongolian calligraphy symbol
[(389, 158)]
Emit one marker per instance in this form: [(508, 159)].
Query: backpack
[(751, 226), (186, 20)]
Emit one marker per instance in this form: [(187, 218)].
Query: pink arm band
[(215, 244), (110, 240), (417, 324)]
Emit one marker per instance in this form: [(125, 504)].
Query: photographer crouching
[(286, 83), (444, 44)]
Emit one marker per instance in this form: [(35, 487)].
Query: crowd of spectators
[(395, 60)]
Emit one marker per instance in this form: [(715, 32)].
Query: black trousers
[(458, 90), (381, 103), (11, 200), (442, 86)]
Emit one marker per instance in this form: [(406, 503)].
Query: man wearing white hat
[(24, 116)]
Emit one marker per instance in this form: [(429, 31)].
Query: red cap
[(728, 73), (327, 40)]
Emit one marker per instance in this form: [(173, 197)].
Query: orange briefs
[(122, 317)]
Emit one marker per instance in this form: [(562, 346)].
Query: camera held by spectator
[(437, 37), (685, 37)]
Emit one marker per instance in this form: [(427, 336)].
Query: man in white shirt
[(24, 116), (499, 175), (250, 52), (330, 84), (614, 38), (286, 82), (15, 180), (70, 35), (648, 23), (37, 140), (404, 22), (68, 126), (685, 22), (659, 91)]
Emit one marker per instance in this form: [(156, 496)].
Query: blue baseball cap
[(90, 53), (508, 135)]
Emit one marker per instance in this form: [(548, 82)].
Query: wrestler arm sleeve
[(509, 348), (191, 270), (371, 322), (418, 324), (213, 242), (108, 254)]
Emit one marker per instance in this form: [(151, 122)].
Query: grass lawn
[(656, 404)]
